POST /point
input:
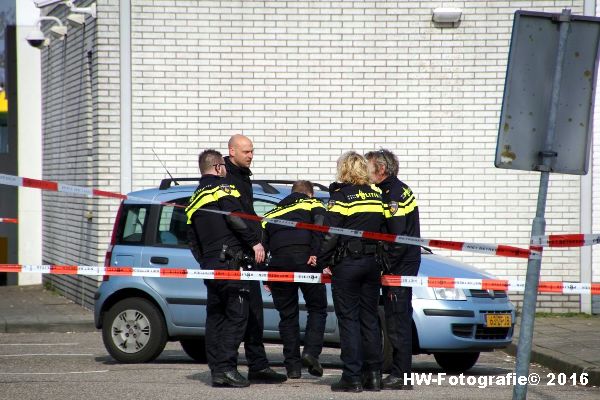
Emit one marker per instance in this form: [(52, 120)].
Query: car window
[(262, 207), (133, 225), (172, 224)]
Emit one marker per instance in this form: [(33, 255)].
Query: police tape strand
[(488, 249), (303, 277), (9, 220), (567, 240)]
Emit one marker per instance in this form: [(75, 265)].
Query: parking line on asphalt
[(39, 344), (54, 373), (45, 354)]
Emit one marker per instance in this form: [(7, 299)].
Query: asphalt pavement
[(563, 344)]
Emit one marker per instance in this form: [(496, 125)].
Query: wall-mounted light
[(446, 16), (76, 19), (91, 10), (76, 16), (36, 37), (44, 3)]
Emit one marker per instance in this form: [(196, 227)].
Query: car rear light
[(113, 241)]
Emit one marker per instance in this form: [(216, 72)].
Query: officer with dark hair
[(295, 250), (222, 241), (241, 153), (402, 218), (356, 276)]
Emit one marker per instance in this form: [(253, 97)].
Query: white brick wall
[(81, 144), (309, 80)]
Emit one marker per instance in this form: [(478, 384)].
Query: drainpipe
[(125, 78)]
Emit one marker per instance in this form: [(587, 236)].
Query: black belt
[(358, 248), (215, 263), (293, 248)]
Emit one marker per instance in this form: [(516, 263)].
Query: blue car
[(138, 315)]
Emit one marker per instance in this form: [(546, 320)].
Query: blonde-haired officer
[(356, 277)]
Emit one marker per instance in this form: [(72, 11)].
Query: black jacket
[(356, 207), (282, 240), (240, 178), (212, 230), (402, 218)]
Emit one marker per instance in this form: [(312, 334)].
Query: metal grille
[(488, 294), (462, 330), (484, 333), (481, 332)]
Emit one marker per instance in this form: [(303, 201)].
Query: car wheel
[(456, 362), (195, 348), (134, 331), (386, 347)]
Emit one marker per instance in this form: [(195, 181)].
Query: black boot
[(266, 375), (294, 373), (229, 379), (313, 365), (371, 381), (392, 382), (344, 385)]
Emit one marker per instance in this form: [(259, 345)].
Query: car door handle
[(159, 260)]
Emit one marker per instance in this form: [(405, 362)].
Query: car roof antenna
[(165, 167)]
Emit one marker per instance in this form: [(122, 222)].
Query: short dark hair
[(386, 158), (305, 187), (207, 159)]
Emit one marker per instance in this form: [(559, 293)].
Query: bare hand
[(267, 288), (327, 271), (259, 253), (312, 261)]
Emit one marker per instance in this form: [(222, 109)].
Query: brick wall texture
[(306, 80)]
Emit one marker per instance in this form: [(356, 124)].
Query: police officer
[(295, 250), (402, 217), (356, 276), (241, 153), (227, 301)]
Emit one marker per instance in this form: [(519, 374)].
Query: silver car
[(138, 315)]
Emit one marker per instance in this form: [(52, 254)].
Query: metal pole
[(538, 227)]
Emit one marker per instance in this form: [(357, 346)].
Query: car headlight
[(449, 294)]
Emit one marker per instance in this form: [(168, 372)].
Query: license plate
[(498, 320)]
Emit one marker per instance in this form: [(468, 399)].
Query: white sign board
[(528, 91)]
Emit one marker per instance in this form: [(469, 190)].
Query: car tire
[(386, 346), (195, 348), (134, 331), (456, 362)]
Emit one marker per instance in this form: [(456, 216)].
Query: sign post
[(546, 127)]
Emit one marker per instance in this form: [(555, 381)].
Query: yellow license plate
[(498, 320)]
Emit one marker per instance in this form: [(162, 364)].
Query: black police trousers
[(253, 337), (226, 320), (355, 286), (234, 312), (285, 298), (397, 304)]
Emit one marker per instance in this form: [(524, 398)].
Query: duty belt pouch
[(382, 257), (355, 249), (338, 255), (235, 258)]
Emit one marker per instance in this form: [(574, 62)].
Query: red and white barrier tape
[(272, 276), (488, 249), (9, 220), (568, 240)]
